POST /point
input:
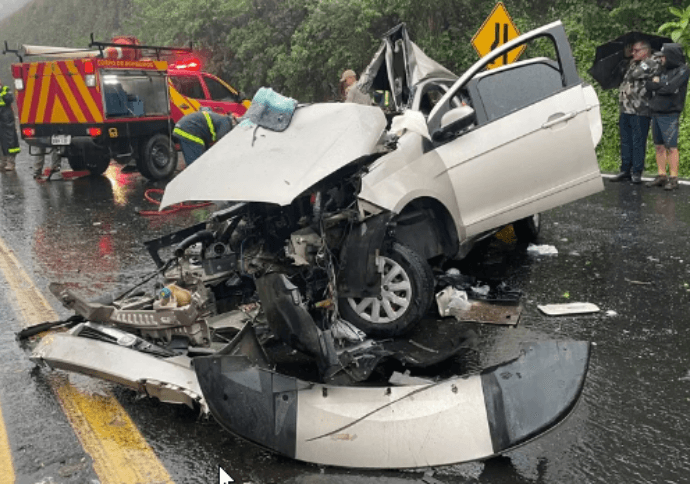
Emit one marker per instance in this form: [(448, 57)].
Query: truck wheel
[(76, 162), (407, 291), (97, 162), (158, 159)]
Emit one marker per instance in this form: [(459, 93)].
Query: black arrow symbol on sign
[(497, 39)]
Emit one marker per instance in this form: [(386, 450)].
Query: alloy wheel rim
[(395, 298)]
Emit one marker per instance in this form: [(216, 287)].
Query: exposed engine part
[(158, 324), (303, 247)]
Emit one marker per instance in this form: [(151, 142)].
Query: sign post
[(497, 29)]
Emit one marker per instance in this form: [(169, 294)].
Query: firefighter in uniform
[(9, 142), (197, 131)]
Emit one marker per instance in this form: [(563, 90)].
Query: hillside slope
[(65, 23)]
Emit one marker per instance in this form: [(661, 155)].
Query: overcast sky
[(7, 7)]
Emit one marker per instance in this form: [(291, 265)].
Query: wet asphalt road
[(625, 249)]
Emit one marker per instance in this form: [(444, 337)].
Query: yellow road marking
[(6, 469), (120, 453)]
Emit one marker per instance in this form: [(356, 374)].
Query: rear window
[(134, 93)]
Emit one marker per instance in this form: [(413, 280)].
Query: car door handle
[(558, 118)]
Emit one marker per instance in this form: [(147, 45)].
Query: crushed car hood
[(259, 165)]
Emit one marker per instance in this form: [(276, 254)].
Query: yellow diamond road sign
[(498, 28)]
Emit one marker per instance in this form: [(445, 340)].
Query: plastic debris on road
[(342, 329), (541, 249), (568, 308), (451, 298)]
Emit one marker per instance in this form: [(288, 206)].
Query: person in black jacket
[(667, 99), (9, 142)]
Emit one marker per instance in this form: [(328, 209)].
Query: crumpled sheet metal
[(259, 165)]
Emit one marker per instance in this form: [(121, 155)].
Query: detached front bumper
[(171, 380)]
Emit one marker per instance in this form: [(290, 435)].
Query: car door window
[(515, 87), (189, 86), (218, 91)]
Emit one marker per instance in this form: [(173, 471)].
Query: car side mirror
[(453, 121)]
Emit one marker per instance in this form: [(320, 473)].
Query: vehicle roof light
[(192, 64)]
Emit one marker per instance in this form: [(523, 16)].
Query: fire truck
[(119, 101)]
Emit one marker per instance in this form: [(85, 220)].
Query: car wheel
[(527, 229), (158, 159), (407, 290)]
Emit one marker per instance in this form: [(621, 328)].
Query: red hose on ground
[(172, 209)]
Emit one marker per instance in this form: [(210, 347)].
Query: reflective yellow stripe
[(43, 92), (29, 92), (71, 100), (190, 137), (120, 453), (84, 91), (3, 91), (210, 126), (14, 150)]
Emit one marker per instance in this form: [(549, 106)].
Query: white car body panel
[(366, 427), (259, 165)]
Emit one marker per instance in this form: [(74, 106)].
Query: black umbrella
[(610, 62)]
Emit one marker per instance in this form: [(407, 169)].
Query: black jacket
[(668, 95), (9, 142)]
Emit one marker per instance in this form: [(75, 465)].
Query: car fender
[(407, 174)]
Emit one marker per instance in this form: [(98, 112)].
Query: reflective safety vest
[(202, 127), (9, 142), (382, 98), (3, 93)]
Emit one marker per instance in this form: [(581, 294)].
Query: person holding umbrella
[(667, 100), (634, 111)]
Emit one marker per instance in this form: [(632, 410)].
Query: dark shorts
[(665, 130)]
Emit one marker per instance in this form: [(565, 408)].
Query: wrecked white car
[(368, 209), (335, 227)]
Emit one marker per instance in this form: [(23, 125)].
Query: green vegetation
[(300, 47)]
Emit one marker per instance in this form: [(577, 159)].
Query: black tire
[(96, 161), (158, 159), (398, 309), (76, 162), (527, 229)]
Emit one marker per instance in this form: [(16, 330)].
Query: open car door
[(531, 146)]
